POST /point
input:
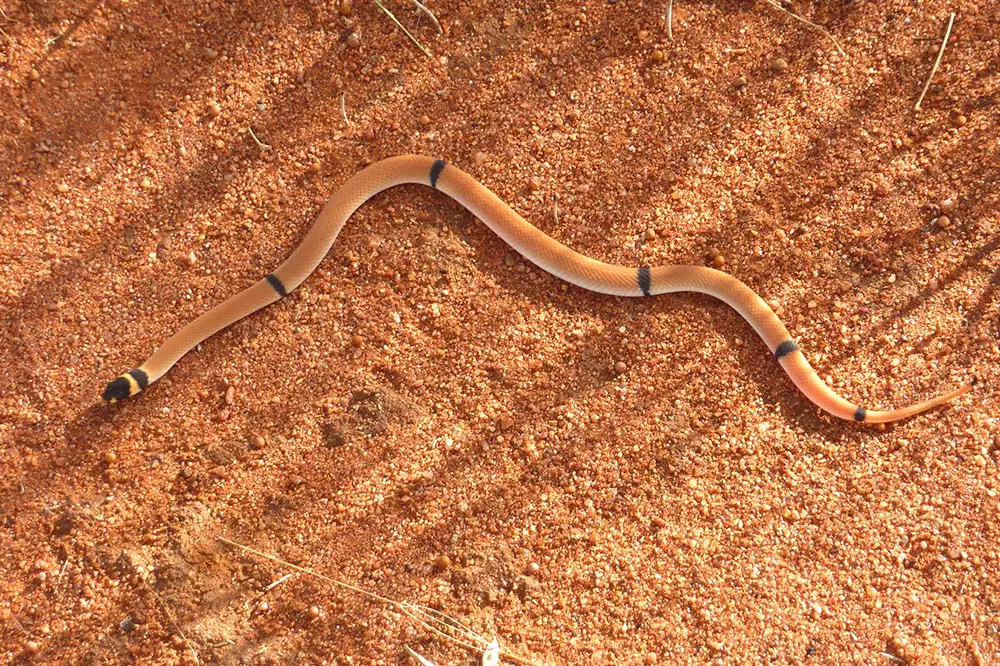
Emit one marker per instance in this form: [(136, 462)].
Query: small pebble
[(643, 34), (314, 166), (960, 120), (230, 395), (424, 121), (345, 7), (191, 259), (63, 188), (944, 221), (947, 206), (882, 189), (354, 40), (356, 340), (741, 82), (718, 261), (651, 657), (658, 56), (31, 647), (442, 562), (620, 367), (211, 53), (34, 75), (146, 183), (313, 612), (214, 108), (650, 234), (534, 184), (533, 568), (779, 65), (257, 442), (109, 457), (263, 607)]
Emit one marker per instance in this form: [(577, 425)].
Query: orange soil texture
[(589, 479)]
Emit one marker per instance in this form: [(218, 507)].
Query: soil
[(588, 479)]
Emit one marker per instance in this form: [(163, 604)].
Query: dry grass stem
[(670, 20), (62, 571), (263, 146), (343, 107), (430, 14), (777, 5), (937, 62), (276, 583), (423, 661), (440, 623), (403, 28), (176, 626)]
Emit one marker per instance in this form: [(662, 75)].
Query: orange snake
[(537, 247)]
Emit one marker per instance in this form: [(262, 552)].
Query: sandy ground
[(589, 479)]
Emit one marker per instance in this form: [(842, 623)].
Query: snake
[(536, 246)]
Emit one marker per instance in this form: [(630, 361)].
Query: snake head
[(116, 390), (125, 386)]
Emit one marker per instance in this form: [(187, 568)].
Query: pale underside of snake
[(533, 244)]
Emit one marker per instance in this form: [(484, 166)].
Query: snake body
[(533, 244)]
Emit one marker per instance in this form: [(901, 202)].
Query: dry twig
[(777, 5), (937, 62), (403, 28)]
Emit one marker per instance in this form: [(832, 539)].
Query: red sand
[(479, 452)]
